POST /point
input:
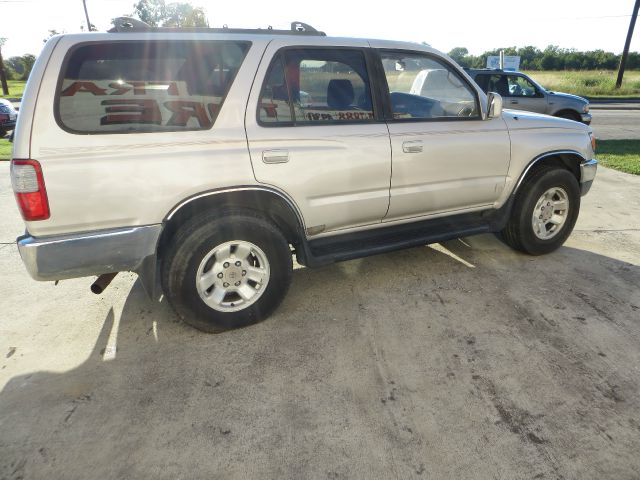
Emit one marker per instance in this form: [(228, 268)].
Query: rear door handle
[(413, 146), (275, 156), (514, 102)]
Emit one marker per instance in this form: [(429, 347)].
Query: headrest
[(340, 93)]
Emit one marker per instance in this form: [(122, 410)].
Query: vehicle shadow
[(463, 360)]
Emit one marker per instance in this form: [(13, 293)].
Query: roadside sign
[(511, 63)]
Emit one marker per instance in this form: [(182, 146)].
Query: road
[(610, 124), (459, 360)]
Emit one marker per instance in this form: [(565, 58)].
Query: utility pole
[(3, 76), (623, 59), (86, 14)]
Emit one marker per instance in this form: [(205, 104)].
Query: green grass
[(589, 83), (623, 155), (16, 87), (5, 149)]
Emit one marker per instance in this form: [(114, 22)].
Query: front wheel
[(226, 271), (544, 213)]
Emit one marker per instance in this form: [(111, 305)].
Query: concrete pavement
[(460, 360)]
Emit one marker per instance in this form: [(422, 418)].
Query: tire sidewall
[(189, 254), (540, 184)]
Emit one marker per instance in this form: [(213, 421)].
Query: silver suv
[(521, 92), (204, 159)]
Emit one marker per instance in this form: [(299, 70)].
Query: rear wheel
[(544, 213), (229, 271)]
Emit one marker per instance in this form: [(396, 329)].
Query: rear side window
[(312, 86), (130, 87)]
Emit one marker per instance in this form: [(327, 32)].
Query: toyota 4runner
[(203, 159)]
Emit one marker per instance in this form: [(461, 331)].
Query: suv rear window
[(130, 87)]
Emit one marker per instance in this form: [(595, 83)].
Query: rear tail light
[(593, 141), (4, 117), (28, 186)]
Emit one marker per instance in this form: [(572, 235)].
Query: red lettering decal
[(183, 111), (126, 110), (80, 87), (214, 108), (173, 89), (138, 88), (119, 88)]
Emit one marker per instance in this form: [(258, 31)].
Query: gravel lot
[(460, 360)]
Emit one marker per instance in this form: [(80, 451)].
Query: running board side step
[(327, 250)]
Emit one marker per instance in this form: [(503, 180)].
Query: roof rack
[(128, 24)]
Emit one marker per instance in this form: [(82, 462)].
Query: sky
[(478, 26)]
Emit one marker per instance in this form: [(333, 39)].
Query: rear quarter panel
[(107, 181)]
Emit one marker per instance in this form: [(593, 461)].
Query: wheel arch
[(274, 205), (568, 111), (567, 159)]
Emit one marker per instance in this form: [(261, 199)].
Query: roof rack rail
[(128, 24)]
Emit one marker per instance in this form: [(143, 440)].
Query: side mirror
[(494, 105)]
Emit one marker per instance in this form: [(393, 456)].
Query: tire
[(229, 250), (569, 115), (555, 186)]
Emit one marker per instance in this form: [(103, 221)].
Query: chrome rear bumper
[(80, 255)]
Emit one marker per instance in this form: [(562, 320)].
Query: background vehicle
[(8, 117), (205, 159), (521, 92)]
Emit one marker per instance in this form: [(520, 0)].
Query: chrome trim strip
[(79, 255), (282, 195), (540, 157)]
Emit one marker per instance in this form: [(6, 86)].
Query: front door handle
[(413, 146), (275, 156)]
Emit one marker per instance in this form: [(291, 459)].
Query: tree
[(528, 56), (28, 61), (157, 13), (17, 65), (3, 77), (184, 15), (458, 54), (151, 12), (51, 34)]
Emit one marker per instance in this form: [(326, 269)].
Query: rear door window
[(315, 86), (130, 87)]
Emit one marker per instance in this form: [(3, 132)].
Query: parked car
[(8, 117), (521, 92), (194, 159)]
